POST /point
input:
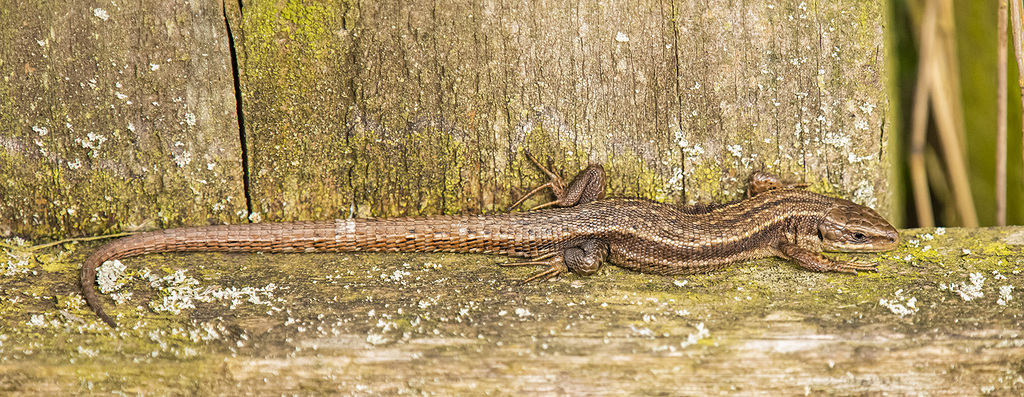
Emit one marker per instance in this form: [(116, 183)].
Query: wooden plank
[(127, 120), (397, 108), (942, 316), (116, 117)]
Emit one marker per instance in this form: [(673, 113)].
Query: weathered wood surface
[(124, 116), (116, 117), (456, 324), (424, 107)]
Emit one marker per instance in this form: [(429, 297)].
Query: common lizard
[(777, 219)]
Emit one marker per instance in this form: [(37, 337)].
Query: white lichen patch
[(109, 276), (182, 158), (735, 150), (1005, 295), (853, 158), (37, 321), (255, 296), (397, 277), (861, 125), (694, 151), (207, 332), (867, 108), (16, 262), (87, 352), (121, 298), (100, 13), (93, 141), (837, 140), (865, 194), (676, 181), (376, 339), (182, 292), (695, 337), (900, 305), (968, 292)]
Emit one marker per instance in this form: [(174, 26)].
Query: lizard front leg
[(587, 186), (817, 262)]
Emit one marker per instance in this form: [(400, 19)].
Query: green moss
[(308, 21), (300, 154), (630, 176), (706, 178), (306, 27)]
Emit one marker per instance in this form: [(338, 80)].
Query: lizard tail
[(106, 253)]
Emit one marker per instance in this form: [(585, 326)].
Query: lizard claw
[(853, 267), (547, 274), (587, 186), (556, 184), (555, 267), (761, 182)]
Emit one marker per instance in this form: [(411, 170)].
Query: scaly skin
[(642, 235)]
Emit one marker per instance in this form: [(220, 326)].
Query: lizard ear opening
[(829, 230)]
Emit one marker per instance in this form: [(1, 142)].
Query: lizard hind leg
[(761, 182), (584, 258), (587, 186)]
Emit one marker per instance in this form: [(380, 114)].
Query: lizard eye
[(858, 236)]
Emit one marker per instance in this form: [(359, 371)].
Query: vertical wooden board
[(115, 117), (426, 107), (795, 88), (295, 71)]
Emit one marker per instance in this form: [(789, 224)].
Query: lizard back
[(638, 234)]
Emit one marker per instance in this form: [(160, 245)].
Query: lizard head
[(850, 227)]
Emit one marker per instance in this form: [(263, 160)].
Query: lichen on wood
[(452, 324)]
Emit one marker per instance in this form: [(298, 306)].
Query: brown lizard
[(778, 219)]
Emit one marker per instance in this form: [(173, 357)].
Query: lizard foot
[(554, 262), (587, 186), (817, 262), (555, 182), (761, 182), (853, 267)]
